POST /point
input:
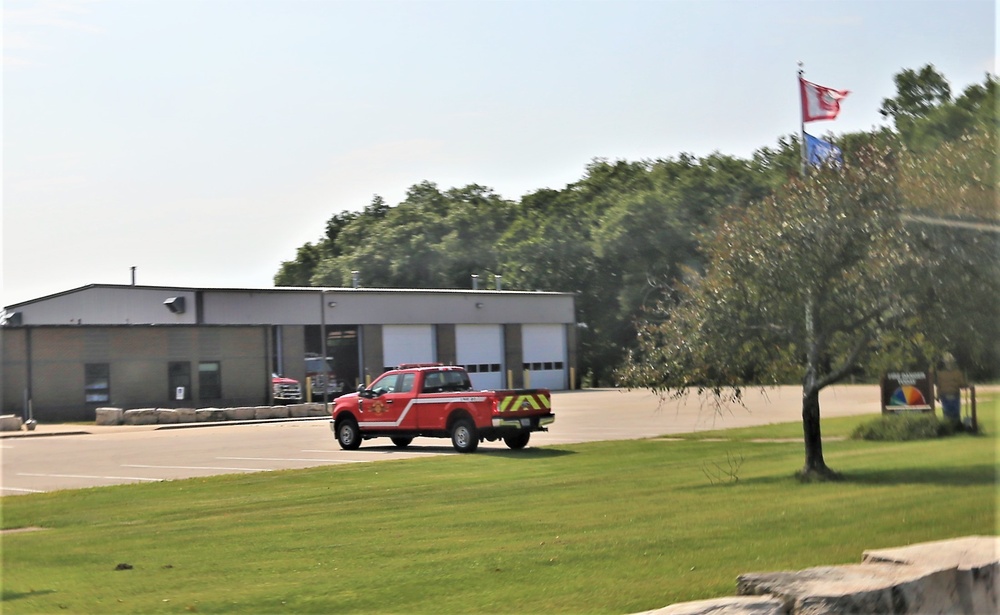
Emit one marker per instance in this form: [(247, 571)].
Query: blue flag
[(821, 153)]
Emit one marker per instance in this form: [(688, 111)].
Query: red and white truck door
[(391, 406)]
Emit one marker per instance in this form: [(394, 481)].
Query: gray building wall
[(293, 351), (447, 350), (513, 354), (138, 360), (123, 305), (371, 352), (109, 305), (572, 357)]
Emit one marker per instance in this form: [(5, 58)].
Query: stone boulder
[(10, 422), (298, 411), (856, 588), (185, 415), (975, 560), (166, 416), (240, 413), (262, 413), (109, 416), (209, 415), (140, 416), (318, 410), (279, 412), (736, 605)]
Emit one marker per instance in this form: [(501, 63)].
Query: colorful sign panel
[(907, 391)]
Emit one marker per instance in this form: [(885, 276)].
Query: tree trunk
[(815, 467)]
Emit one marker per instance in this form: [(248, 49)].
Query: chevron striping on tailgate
[(529, 401)]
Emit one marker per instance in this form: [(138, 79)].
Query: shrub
[(903, 427)]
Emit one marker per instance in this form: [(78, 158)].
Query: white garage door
[(479, 348), (545, 355), (407, 344)]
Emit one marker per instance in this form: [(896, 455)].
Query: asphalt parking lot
[(78, 456)]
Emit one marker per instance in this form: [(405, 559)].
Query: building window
[(209, 380), (97, 383), (179, 380)]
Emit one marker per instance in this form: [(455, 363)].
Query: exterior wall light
[(175, 304)]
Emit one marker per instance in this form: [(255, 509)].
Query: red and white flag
[(818, 102)]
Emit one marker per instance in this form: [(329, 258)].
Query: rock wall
[(163, 416), (947, 576)]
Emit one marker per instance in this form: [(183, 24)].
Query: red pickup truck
[(438, 401)]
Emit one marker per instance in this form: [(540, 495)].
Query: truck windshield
[(315, 365)]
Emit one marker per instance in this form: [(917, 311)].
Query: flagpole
[(802, 127)]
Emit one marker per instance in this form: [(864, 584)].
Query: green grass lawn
[(613, 527)]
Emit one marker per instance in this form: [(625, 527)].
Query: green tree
[(804, 284), (299, 272), (432, 239), (917, 94)]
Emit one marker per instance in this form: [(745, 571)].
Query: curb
[(111, 428), (245, 422), (21, 434)]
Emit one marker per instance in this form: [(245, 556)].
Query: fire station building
[(125, 346)]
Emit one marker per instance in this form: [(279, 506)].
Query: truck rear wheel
[(464, 437), (518, 440), (348, 435), (402, 442)]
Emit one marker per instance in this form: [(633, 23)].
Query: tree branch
[(845, 368)]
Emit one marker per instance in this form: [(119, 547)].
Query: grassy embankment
[(614, 527)]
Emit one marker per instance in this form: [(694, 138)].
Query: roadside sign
[(907, 392)]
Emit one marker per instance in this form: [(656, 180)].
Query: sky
[(204, 141)]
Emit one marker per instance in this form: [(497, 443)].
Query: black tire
[(348, 435), (464, 437), (402, 442), (518, 440)]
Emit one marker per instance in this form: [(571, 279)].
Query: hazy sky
[(204, 141)]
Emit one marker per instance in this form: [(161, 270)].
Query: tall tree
[(804, 284), (917, 93)]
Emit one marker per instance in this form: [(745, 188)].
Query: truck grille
[(289, 391)]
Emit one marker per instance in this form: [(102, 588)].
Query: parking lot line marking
[(88, 476), (388, 451), (292, 459), (213, 468), (22, 490)]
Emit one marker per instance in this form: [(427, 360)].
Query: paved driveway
[(76, 456)]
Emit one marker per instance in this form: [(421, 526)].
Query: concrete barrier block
[(318, 410), (240, 413), (108, 416), (185, 415), (140, 416), (166, 416), (202, 415), (279, 412), (10, 422), (263, 412), (298, 411)]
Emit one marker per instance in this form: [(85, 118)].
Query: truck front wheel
[(349, 435), (464, 437), (518, 440)]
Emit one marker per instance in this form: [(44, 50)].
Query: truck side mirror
[(363, 392)]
